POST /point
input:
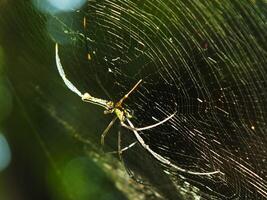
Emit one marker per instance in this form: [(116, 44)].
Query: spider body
[(110, 106), (122, 114)]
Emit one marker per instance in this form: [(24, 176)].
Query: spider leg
[(126, 95), (164, 160), (63, 75), (120, 151), (119, 145), (128, 147), (150, 126), (124, 149), (105, 132)]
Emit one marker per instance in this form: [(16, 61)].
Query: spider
[(124, 117)]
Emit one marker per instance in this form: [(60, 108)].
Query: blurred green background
[(50, 140), (41, 155)]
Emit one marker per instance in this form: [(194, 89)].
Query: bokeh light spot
[(57, 6), (5, 153), (67, 5)]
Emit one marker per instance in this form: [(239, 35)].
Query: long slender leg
[(63, 75), (128, 147), (105, 132), (150, 126), (120, 151), (126, 95), (125, 148), (130, 173), (164, 160), (119, 145)]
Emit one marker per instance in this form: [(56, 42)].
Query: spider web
[(205, 60)]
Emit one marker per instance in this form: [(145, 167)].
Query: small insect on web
[(124, 116)]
